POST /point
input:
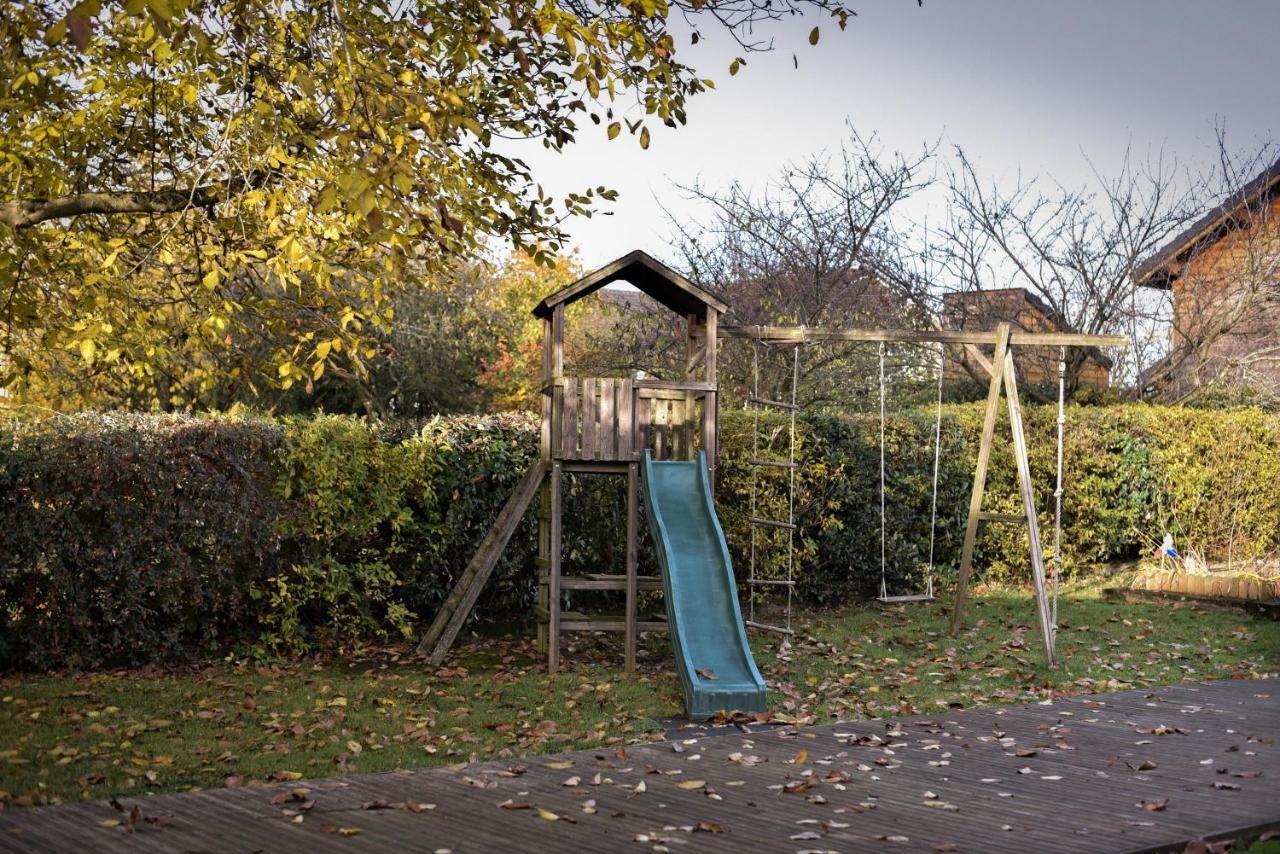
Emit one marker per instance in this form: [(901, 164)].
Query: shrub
[(130, 538), (133, 538)]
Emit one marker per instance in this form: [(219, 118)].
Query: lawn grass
[(64, 737)]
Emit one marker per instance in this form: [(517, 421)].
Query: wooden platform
[(1130, 771)]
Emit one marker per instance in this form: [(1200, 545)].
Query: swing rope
[(937, 464), (755, 455), (884, 590), (1057, 492), (937, 459)]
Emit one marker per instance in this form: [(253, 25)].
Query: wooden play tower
[(604, 426), (600, 425)]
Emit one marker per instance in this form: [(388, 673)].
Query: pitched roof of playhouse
[(1159, 270), (648, 275)]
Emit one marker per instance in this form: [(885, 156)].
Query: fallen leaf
[(515, 805)]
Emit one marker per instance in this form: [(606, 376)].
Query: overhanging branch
[(24, 213)]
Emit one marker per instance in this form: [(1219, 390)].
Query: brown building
[(982, 310), (1224, 275)]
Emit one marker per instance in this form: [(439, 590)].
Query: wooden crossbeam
[(818, 334)]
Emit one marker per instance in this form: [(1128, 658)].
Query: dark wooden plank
[(951, 779), (626, 421), (590, 408), (570, 430), (607, 434)]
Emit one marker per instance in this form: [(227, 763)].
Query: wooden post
[(980, 473), (553, 569), (556, 504), (1028, 505), (633, 485), (545, 450), (711, 401), (694, 354)]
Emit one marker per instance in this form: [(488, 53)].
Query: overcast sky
[(1026, 86)]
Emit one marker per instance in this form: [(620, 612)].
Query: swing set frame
[(1002, 376)]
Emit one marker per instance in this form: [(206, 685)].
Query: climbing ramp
[(455, 610)]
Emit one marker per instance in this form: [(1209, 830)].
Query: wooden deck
[(1130, 771)]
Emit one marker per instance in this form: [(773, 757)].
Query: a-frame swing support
[(1003, 377)]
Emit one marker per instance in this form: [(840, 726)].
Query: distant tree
[(195, 193), (1074, 249), (819, 245)]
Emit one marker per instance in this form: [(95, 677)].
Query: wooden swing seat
[(913, 597)]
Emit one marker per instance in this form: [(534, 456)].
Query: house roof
[(647, 274), (957, 298), (1161, 268)]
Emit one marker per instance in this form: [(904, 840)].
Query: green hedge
[(130, 538)]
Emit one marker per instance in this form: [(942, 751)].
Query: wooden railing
[(614, 420)]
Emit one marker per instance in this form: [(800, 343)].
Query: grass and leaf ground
[(64, 737)]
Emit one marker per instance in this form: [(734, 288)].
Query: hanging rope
[(937, 459), (884, 590), (1057, 492), (755, 455), (791, 491)]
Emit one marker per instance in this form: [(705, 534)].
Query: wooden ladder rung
[(601, 581), (764, 401), (576, 621), (768, 628), (1011, 518), (771, 523)]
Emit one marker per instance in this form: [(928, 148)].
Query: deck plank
[(950, 779)]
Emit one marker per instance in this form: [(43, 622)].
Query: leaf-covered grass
[(74, 736)]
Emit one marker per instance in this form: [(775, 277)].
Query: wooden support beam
[(553, 571), (457, 607), (1029, 506), (633, 519), (711, 400), (980, 474)]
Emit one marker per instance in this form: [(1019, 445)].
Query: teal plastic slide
[(708, 637)]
